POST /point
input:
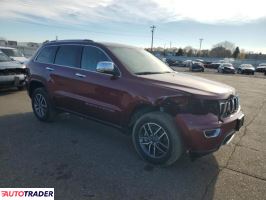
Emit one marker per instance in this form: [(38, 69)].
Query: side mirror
[(105, 67)]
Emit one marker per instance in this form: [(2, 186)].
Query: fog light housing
[(212, 133)]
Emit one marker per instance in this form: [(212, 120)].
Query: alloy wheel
[(40, 105), (154, 140)]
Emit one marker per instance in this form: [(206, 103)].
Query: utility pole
[(152, 32), (201, 39), (56, 37)]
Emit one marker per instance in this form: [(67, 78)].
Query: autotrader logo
[(26, 193)]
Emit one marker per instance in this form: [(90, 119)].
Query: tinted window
[(91, 56), (68, 55), (47, 54)]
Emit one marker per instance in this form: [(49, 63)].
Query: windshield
[(227, 65), (139, 61), (12, 52), (4, 58), (246, 65)]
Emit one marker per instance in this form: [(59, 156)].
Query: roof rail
[(88, 40), (72, 40), (46, 41)]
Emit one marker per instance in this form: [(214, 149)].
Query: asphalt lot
[(82, 159)]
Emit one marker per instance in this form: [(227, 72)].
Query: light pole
[(201, 39), (152, 32)]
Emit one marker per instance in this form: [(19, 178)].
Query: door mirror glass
[(105, 67)]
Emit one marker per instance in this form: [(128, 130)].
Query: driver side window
[(91, 56)]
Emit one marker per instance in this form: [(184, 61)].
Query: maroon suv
[(167, 113)]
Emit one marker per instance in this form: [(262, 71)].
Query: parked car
[(167, 113), (261, 67), (173, 63), (214, 65), (12, 73), (187, 63), (246, 69), (197, 67), (205, 63), (14, 54), (226, 68)]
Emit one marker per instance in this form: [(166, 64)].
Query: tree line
[(221, 50)]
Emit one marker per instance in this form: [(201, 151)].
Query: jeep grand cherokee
[(166, 112)]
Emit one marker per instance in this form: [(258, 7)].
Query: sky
[(179, 23)]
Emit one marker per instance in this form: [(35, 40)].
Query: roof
[(86, 41), (68, 41)]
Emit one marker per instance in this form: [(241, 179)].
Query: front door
[(101, 94)]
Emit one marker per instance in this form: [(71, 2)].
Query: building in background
[(27, 48)]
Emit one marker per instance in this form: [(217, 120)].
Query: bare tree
[(227, 45), (220, 52)]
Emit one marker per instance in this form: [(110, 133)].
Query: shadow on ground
[(7, 91), (82, 159)]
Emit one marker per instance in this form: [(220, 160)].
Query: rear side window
[(47, 55), (68, 55), (91, 56)]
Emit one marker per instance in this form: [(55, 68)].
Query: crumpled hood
[(229, 67), (22, 60), (10, 65), (191, 84)]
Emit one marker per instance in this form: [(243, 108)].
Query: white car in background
[(261, 67), (226, 68), (14, 54), (246, 69)]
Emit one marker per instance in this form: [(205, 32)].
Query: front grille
[(229, 106), (14, 71)]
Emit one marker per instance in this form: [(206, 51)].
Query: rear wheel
[(156, 138), (42, 105)]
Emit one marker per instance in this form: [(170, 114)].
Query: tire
[(168, 144), (40, 97)]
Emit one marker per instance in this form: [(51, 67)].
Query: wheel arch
[(142, 109), (34, 84)]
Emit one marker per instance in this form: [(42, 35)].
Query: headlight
[(192, 105), (201, 107)]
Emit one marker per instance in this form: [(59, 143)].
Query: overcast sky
[(180, 22)]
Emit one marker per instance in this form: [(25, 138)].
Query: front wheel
[(42, 105), (156, 138)]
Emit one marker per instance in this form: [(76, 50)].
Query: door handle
[(80, 75), (49, 68)]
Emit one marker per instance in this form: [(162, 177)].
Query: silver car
[(14, 54), (12, 73)]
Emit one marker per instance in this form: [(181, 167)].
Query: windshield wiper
[(147, 73)]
